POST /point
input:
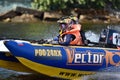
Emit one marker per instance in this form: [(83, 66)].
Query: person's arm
[(56, 38), (65, 40)]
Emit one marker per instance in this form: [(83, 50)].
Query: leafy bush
[(47, 5)]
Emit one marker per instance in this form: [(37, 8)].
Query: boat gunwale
[(76, 46)]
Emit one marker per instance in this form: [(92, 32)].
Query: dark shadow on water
[(31, 77), (13, 75)]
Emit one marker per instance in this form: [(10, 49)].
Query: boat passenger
[(69, 33)]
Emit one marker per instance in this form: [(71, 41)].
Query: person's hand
[(60, 39)]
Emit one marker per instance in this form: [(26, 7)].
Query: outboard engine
[(109, 38)]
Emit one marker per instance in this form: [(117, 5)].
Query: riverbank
[(21, 14)]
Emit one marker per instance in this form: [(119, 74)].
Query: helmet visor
[(63, 26)]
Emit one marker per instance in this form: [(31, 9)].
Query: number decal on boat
[(54, 54)]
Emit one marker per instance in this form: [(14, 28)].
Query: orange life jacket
[(75, 30)]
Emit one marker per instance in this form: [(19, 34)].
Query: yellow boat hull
[(53, 71), (7, 62)]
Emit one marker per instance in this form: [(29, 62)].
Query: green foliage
[(47, 5)]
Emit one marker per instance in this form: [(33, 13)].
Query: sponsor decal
[(48, 53), (112, 58), (73, 74), (20, 43), (86, 57)]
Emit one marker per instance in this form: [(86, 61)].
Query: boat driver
[(69, 32)]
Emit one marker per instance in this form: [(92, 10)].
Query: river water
[(48, 30)]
